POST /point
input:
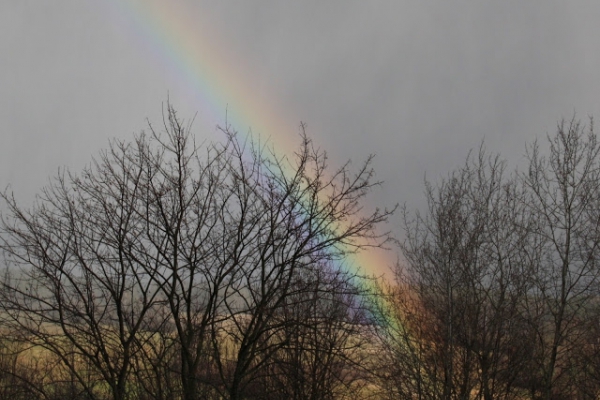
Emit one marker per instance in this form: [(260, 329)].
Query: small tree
[(323, 340)]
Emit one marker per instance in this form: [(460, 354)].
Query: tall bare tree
[(325, 340), (165, 255), (460, 288), (563, 194), (304, 218), (72, 287)]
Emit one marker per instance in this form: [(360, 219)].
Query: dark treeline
[(499, 294), (172, 270)]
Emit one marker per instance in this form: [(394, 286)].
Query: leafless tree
[(169, 256), (324, 340), (563, 194), (498, 295), (72, 287), (295, 217), (460, 288)]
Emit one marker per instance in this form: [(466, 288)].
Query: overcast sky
[(416, 82)]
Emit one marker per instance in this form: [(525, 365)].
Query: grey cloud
[(416, 82)]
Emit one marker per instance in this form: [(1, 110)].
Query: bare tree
[(72, 287), (295, 217), (461, 287), (499, 292), (168, 256), (563, 191), (324, 342)]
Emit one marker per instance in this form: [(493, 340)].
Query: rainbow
[(182, 38)]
